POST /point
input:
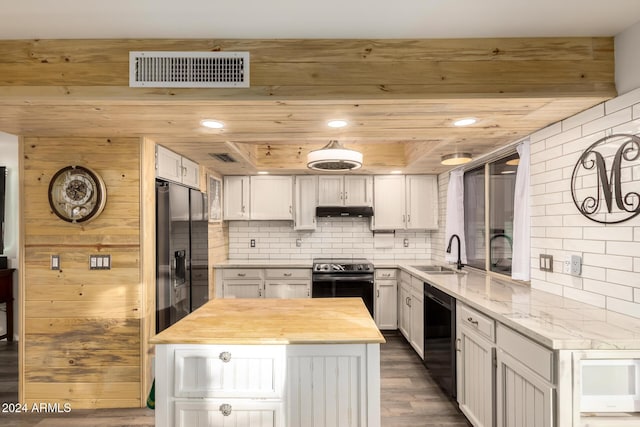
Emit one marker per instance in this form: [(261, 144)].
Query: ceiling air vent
[(189, 69), (223, 157)]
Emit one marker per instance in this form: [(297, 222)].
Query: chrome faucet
[(459, 262)]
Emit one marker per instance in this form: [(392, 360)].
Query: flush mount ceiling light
[(455, 159), (465, 122), (334, 157), (211, 124), (513, 162), (337, 123)]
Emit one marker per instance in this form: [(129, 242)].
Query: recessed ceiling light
[(513, 162), (263, 173), (212, 124), (465, 122), (337, 123), (396, 172), (455, 159)]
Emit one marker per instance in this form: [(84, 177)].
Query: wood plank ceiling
[(400, 97)]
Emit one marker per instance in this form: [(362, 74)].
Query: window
[(488, 211)]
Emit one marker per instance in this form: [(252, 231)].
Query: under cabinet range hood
[(344, 211)]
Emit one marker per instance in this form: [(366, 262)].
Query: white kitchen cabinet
[(250, 288), (287, 283), (405, 202), (173, 167), (386, 306), (416, 306), (411, 311), (236, 197), (524, 375), (389, 202), (305, 200), (349, 190), (271, 197), (475, 359), (422, 202)]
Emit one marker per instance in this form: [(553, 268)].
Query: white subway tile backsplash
[(608, 261), (609, 233), (585, 297), (624, 307), (562, 138), (594, 273), (608, 121), (543, 156), (587, 246), (608, 289), (636, 111), (579, 119), (632, 127), (636, 294), (547, 287), (623, 101), (546, 133), (623, 248), (623, 277)]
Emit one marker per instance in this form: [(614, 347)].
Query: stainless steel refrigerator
[(182, 277)]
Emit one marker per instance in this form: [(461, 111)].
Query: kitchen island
[(270, 363)]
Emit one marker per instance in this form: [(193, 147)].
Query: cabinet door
[(405, 310), (386, 304), (168, 164), (330, 190), (271, 197), (422, 202), (475, 376), (287, 289), (417, 322), (190, 173), (358, 190), (388, 202), (242, 289), (236, 197), (306, 200), (523, 398)]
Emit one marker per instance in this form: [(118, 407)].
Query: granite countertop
[(275, 321), (554, 321)]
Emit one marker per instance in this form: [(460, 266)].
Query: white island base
[(330, 385)]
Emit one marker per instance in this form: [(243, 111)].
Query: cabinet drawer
[(533, 355), (228, 412), (288, 273), (417, 285), (385, 273), (229, 371), (405, 277), (242, 273), (477, 321)]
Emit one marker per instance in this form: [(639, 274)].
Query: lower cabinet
[(386, 305), (228, 413), (524, 381), (475, 358), (411, 311), (266, 283)]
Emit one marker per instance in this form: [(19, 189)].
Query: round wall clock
[(77, 194)]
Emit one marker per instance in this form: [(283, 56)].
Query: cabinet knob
[(225, 409), (287, 274), (473, 322), (242, 274), (225, 356)]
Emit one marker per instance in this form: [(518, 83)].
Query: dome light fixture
[(455, 159), (334, 157), (211, 124), (337, 123), (465, 122)]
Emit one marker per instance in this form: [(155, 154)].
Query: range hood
[(344, 211)]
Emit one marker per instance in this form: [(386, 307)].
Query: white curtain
[(521, 261), (455, 216)]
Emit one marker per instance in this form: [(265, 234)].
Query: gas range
[(342, 265)]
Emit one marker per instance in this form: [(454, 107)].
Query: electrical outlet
[(406, 243), (252, 243), (566, 265), (576, 265), (298, 243)]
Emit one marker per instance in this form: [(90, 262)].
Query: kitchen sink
[(434, 269)]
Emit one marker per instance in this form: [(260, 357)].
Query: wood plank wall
[(81, 334)]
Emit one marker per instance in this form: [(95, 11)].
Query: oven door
[(344, 285)]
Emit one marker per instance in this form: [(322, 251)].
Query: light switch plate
[(546, 262), (55, 262), (99, 262)]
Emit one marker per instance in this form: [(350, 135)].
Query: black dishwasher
[(440, 337)]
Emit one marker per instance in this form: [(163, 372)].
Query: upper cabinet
[(236, 197), (345, 190), (173, 167), (306, 200), (405, 202), (271, 197)]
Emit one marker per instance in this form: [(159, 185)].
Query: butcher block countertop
[(275, 321)]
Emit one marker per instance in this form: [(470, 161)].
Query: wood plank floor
[(410, 398)]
